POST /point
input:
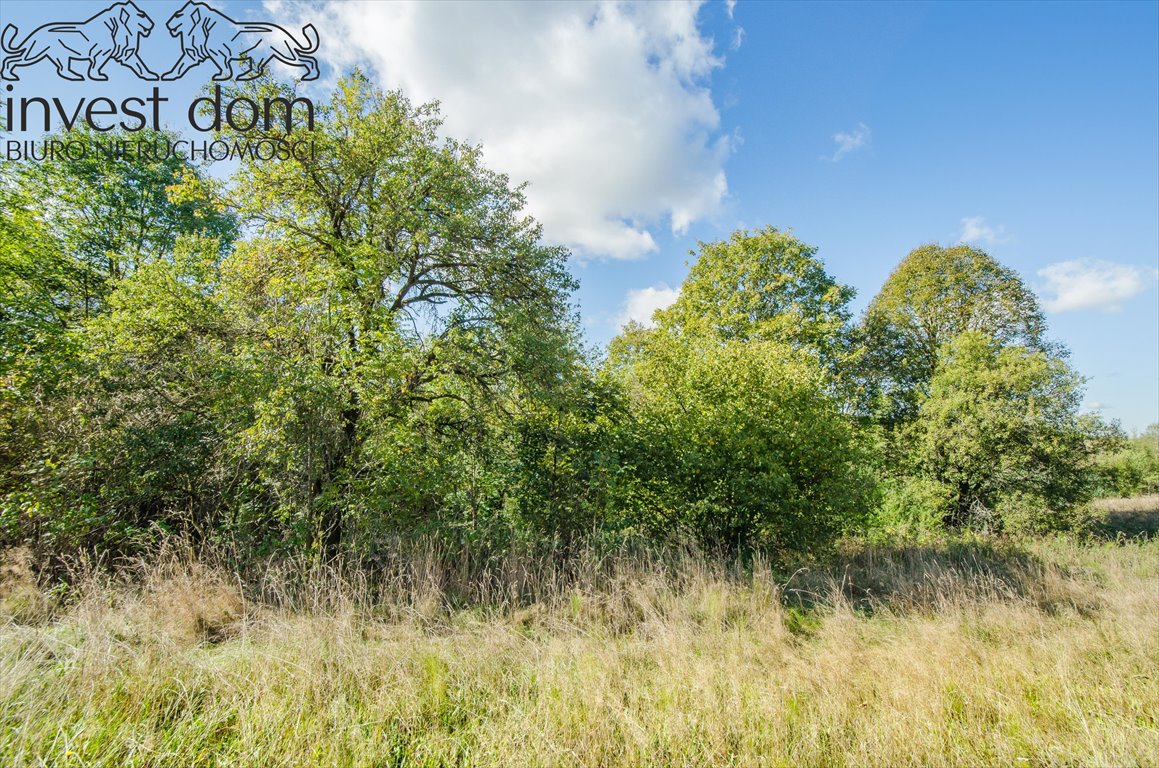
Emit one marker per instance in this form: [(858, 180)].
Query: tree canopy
[(934, 295), (389, 297), (737, 443), (72, 231), (1001, 430), (764, 285), (739, 435)]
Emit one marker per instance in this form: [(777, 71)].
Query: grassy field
[(964, 653)]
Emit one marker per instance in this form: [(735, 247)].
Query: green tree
[(35, 282), (394, 284), (1131, 468), (71, 228), (71, 232), (735, 442), (356, 361), (135, 444), (934, 295), (736, 434), (108, 211), (1000, 429), (764, 286)]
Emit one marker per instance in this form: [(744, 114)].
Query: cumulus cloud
[(849, 142), (976, 230), (643, 302), (1093, 284), (604, 107)]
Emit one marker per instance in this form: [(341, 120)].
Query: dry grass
[(1130, 517), (962, 654), (1148, 503)]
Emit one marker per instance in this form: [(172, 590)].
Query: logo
[(111, 35), (114, 34), (260, 127), (207, 34)]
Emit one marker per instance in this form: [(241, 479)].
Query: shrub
[(738, 443), (912, 506), (1132, 470)]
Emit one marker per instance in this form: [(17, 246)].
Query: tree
[(355, 361), (1000, 429), (35, 281), (736, 433), (764, 286), (568, 458), (71, 228), (134, 442), (934, 295), (393, 283), (108, 212), (71, 232), (1132, 467), (736, 443)]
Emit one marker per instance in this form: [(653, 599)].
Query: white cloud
[(603, 107), (976, 230), (1093, 284), (849, 142), (730, 6), (737, 38), (642, 302)]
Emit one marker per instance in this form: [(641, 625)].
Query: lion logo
[(207, 34), (111, 35)]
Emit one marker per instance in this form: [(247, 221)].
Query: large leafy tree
[(934, 295), (137, 437), (393, 283), (737, 434), (764, 285), (357, 357), (36, 280), (72, 227), (108, 211), (72, 230), (1000, 430)]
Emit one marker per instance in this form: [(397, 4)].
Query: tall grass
[(964, 653)]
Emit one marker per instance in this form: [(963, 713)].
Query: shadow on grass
[(1133, 518), (929, 578)]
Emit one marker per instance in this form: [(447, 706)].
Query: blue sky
[(1029, 130)]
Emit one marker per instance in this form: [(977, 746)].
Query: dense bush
[(1132, 469), (737, 444), (353, 366), (911, 506)]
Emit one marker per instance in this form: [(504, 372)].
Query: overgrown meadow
[(311, 465)]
